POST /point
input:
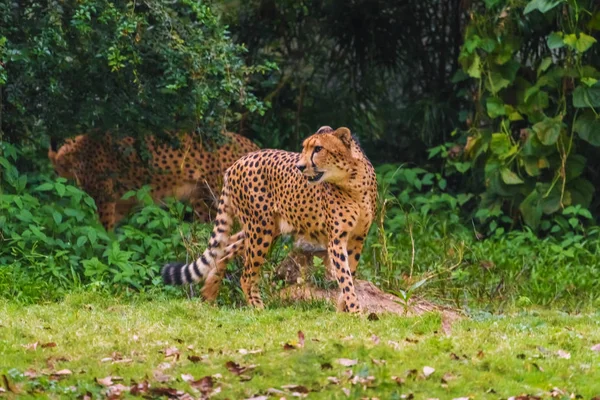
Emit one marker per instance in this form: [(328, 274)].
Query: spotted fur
[(326, 195), (106, 171)]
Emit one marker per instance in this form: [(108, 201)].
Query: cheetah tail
[(179, 273)]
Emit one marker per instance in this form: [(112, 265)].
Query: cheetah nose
[(301, 167)]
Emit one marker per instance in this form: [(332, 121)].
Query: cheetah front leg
[(338, 255)]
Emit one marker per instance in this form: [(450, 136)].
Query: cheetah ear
[(325, 129), (344, 135)]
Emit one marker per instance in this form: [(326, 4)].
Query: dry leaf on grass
[(375, 339), (159, 376), (427, 371), (296, 388), (300, 339), (187, 377), (204, 385), (563, 354), (244, 351), (346, 362), (596, 347), (31, 346), (48, 345)]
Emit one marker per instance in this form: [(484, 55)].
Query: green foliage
[(132, 67), (537, 97), (347, 63), (53, 242)]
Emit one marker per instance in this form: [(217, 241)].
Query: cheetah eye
[(318, 149)]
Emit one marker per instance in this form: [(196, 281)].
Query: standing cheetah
[(326, 195)]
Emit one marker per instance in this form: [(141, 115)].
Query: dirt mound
[(299, 265)]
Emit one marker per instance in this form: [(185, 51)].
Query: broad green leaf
[(472, 43), (500, 143), (588, 128), (555, 40), (575, 166), (589, 82), (582, 191), (531, 166), (531, 209), (44, 187), (584, 96), (495, 107), (581, 43), (551, 203), (546, 62), (548, 130), (474, 70), (509, 177), (542, 6)]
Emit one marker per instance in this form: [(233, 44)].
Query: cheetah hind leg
[(256, 251), (212, 284)]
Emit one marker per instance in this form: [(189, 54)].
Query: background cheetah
[(106, 171), (325, 195)]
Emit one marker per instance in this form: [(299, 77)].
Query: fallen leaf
[(326, 366), (296, 388), (204, 385), (346, 391), (409, 340), (373, 317), (258, 398), (375, 339), (563, 354), (31, 346), (288, 347), (378, 362), (169, 392), (172, 351), (395, 345), (480, 354), (274, 391), (454, 356), (105, 381), (115, 391), (135, 338), (139, 388), (399, 381), (236, 369), (596, 347), (333, 380), (461, 398), (48, 345), (244, 351), (159, 376), (60, 374), (187, 377), (448, 377), (31, 374), (300, 339), (346, 362), (194, 359)]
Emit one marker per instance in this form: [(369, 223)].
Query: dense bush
[(127, 67), (530, 143), (51, 239)]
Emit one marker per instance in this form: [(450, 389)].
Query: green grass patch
[(484, 356)]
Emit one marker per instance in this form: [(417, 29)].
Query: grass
[(484, 356)]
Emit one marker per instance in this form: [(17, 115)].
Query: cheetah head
[(326, 155), (62, 160)]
